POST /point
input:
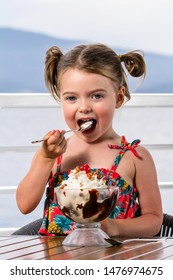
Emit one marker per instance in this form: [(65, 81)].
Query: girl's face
[(88, 96)]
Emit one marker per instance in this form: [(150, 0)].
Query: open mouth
[(91, 127)]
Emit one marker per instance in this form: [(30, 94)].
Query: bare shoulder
[(139, 156), (143, 154), (146, 173)]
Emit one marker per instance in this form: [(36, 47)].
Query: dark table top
[(50, 248)]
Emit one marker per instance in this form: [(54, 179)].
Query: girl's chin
[(92, 137), (96, 136), (88, 137)]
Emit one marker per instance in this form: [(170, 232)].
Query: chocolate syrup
[(92, 207)]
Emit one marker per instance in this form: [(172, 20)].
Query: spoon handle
[(38, 141), (42, 140)]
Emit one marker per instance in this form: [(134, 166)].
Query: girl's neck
[(111, 137), (97, 154)]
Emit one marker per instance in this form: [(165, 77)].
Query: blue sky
[(132, 24)]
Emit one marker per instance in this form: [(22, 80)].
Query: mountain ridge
[(22, 56)]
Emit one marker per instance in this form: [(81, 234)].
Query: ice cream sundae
[(84, 196)]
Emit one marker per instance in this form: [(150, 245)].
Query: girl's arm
[(149, 223), (32, 187)]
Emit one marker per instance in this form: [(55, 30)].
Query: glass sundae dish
[(86, 199)]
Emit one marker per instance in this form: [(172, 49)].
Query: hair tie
[(120, 56)]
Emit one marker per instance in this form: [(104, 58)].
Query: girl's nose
[(84, 107)]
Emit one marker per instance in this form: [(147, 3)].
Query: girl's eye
[(71, 98), (97, 96)]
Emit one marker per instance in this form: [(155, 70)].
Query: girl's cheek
[(69, 109), (69, 115)]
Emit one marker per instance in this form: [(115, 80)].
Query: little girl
[(90, 83)]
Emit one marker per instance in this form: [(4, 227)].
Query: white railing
[(7, 231), (40, 100)]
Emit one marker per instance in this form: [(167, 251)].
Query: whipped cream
[(83, 180)]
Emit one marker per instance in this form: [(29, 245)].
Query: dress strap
[(124, 147), (59, 160)]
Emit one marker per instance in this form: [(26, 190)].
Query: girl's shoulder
[(144, 159), (143, 152), (139, 158)]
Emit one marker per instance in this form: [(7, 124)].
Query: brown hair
[(92, 58)]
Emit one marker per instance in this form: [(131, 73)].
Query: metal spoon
[(85, 126), (114, 242)]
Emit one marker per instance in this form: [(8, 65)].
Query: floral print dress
[(127, 206)]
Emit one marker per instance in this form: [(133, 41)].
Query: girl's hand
[(55, 145)]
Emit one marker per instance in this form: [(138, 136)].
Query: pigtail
[(53, 56), (134, 63)]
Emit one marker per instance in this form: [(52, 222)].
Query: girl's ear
[(120, 97)]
